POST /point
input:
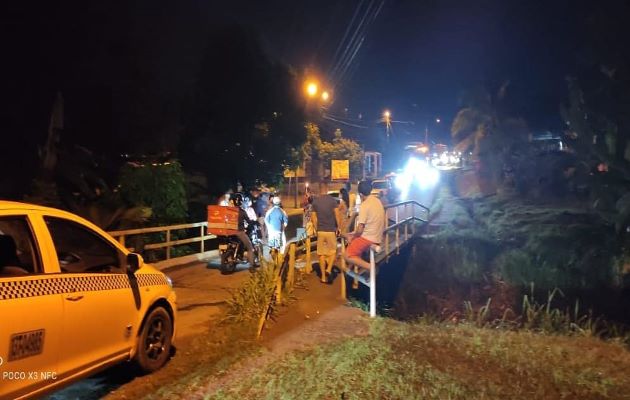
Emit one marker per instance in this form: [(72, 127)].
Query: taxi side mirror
[(134, 261)]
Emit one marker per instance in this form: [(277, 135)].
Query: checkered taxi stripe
[(24, 287)]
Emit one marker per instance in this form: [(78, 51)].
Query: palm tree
[(482, 128)]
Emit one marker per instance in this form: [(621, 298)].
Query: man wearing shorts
[(369, 227), (325, 218)]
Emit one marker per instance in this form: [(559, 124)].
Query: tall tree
[(598, 107), (484, 128)]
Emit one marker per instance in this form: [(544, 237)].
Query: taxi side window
[(81, 250), (18, 253)]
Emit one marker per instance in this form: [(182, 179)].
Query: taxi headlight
[(169, 281)]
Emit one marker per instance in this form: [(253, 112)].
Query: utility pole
[(426, 134)]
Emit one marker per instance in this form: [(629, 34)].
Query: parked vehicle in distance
[(74, 301), (384, 189)]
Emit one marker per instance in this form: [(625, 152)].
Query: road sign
[(340, 170)]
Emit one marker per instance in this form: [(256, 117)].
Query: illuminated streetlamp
[(426, 130), (311, 89), (387, 118), (325, 96)]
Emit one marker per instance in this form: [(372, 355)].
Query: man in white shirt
[(369, 227)]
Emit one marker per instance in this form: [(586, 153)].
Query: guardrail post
[(386, 238), (168, 246), (406, 232), (397, 233), (202, 235), (308, 268), (372, 284), (407, 225), (279, 286), (344, 267), (121, 240), (291, 273)]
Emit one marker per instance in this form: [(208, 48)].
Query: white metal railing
[(405, 214), (168, 244)]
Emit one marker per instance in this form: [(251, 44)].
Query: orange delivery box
[(222, 220)]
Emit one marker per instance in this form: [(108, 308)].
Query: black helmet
[(237, 199)]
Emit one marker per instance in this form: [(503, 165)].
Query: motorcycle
[(232, 250)]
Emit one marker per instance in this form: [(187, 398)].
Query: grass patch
[(440, 361)]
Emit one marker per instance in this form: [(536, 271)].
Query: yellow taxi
[(74, 301)]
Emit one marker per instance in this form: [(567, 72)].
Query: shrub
[(160, 186), (250, 301)]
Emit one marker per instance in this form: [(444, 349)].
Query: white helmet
[(276, 200)]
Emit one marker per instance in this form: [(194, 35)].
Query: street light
[(426, 130), (325, 96), (387, 118), (311, 89)]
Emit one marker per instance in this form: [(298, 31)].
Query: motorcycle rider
[(247, 206), (244, 219)]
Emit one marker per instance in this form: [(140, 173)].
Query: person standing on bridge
[(276, 220), (326, 221), (369, 227)]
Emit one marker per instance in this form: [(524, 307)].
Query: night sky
[(417, 57)]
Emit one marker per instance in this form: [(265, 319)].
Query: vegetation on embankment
[(505, 247), (443, 361)]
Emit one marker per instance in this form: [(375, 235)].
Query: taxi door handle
[(74, 298)]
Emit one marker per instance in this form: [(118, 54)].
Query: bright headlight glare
[(427, 177)]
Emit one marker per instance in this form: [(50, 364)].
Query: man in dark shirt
[(325, 218), (242, 235), (261, 206)]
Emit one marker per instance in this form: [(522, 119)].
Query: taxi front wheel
[(154, 341)]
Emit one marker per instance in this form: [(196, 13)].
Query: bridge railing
[(400, 227), (164, 239), (400, 223)]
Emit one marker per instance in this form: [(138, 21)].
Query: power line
[(371, 18), (345, 35), (327, 117)]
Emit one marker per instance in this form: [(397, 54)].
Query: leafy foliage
[(109, 212), (315, 150), (159, 186), (343, 149), (250, 301), (494, 138)]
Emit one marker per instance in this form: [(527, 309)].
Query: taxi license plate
[(26, 344), (223, 247)]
